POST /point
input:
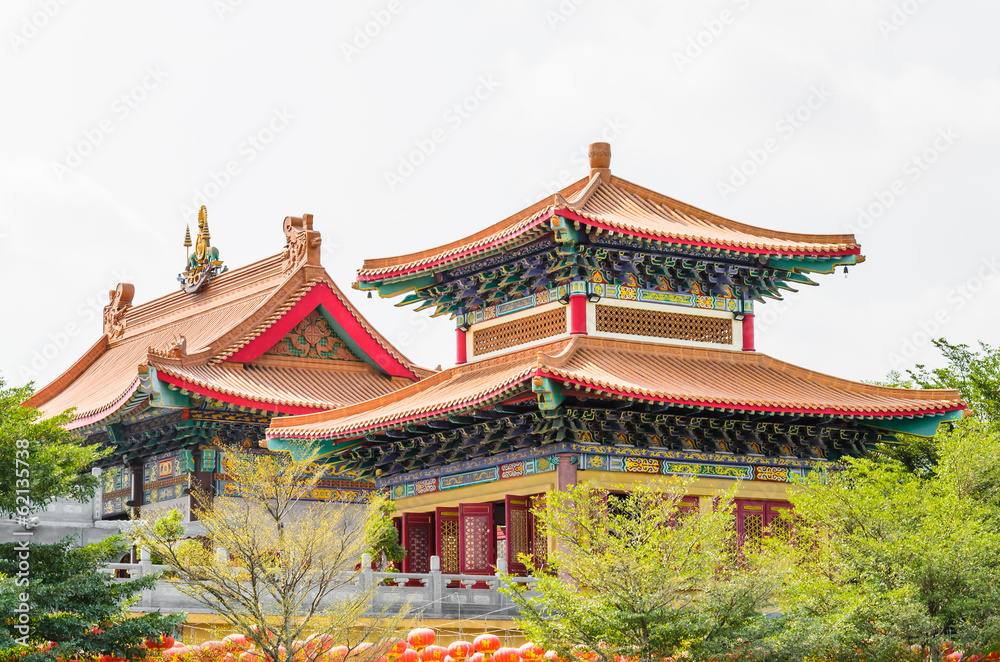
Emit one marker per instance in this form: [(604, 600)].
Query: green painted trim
[(396, 288), (550, 396), (348, 340), (824, 265), (302, 449), (924, 426), (164, 396)]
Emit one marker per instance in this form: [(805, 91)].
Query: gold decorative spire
[(203, 224), (204, 263)]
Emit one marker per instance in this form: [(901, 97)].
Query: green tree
[(56, 593), (40, 456), (382, 537), (639, 577), (896, 559), (274, 564), (975, 373)]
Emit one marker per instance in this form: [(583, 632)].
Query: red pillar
[(578, 313), (566, 471), (748, 333), (460, 351)]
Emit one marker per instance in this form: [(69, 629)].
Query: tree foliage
[(273, 564), (381, 536), (53, 463), (896, 558), (71, 603), (638, 577)]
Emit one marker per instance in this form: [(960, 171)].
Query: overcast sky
[(121, 117)]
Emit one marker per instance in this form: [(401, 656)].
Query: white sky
[(889, 80)]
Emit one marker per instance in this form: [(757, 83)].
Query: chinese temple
[(604, 334), (212, 363)]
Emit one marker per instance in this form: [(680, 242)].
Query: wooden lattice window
[(520, 331), (755, 519), (660, 324)]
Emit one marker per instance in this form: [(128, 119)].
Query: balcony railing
[(432, 594)]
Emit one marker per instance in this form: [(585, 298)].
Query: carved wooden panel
[(520, 331), (661, 324), (447, 540), (417, 542), (518, 534), (476, 538)]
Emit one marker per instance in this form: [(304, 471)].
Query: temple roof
[(688, 377), (615, 205), (213, 342)]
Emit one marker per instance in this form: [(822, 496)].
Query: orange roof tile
[(689, 376), (616, 205), (237, 307)]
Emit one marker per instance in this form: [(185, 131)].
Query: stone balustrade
[(432, 594)]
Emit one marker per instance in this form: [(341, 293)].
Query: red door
[(755, 518), (447, 540), (518, 541), (539, 541), (476, 538), (418, 541)]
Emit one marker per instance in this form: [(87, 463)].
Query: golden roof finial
[(203, 224), (187, 236)]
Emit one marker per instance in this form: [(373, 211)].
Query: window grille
[(660, 324), (519, 332)]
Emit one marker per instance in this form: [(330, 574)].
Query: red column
[(460, 351), (748, 333), (566, 471), (578, 313)]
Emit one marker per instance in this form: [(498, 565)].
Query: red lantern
[(338, 652), (531, 652), (460, 649), (434, 654), (236, 642), (487, 644), (421, 638), (507, 654), (397, 648), (477, 657), (551, 655), (409, 655), (160, 643)]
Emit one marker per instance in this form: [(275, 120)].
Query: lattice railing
[(660, 324), (520, 331)]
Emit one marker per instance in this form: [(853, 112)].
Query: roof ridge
[(497, 228), (763, 360), (631, 188)]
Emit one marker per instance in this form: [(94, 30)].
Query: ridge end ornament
[(204, 263), (302, 243), (119, 301)]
